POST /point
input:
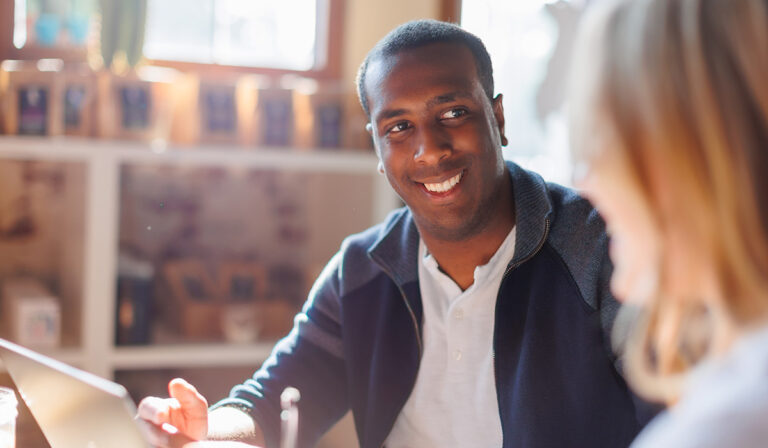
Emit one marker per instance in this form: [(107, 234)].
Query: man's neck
[(458, 259)]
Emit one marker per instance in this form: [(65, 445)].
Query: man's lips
[(443, 187)]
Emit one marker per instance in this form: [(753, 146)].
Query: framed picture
[(218, 111), (78, 100), (319, 116), (276, 117), (31, 105), (74, 101), (328, 116), (33, 110), (242, 281), (134, 103), (138, 106), (215, 108)]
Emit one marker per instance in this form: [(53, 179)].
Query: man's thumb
[(186, 394)]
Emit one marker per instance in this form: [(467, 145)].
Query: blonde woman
[(669, 113)]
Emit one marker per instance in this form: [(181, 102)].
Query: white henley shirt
[(453, 402)]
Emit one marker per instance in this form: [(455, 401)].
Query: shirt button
[(458, 314), (457, 355)]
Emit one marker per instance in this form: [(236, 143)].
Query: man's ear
[(380, 166), (498, 113)]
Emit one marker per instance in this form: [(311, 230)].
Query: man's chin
[(454, 229)]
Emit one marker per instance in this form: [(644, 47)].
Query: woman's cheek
[(635, 277)]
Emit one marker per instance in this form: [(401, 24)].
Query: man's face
[(438, 137)]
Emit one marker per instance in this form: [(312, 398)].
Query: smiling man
[(438, 135), (478, 315)]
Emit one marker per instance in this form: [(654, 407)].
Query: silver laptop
[(74, 409)]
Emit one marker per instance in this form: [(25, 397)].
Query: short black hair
[(418, 33)]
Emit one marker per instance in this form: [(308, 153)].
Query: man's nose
[(434, 144)]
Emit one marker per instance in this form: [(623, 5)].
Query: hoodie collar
[(396, 249)]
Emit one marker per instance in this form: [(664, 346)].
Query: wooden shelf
[(82, 149), (103, 161), (190, 355), (183, 355)]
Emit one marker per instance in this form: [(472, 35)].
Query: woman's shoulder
[(726, 403)]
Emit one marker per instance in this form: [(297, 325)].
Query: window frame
[(450, 11), (331, 69)]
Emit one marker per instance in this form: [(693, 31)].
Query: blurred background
[(175, 173)]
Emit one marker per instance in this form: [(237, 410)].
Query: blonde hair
[(679, 89)]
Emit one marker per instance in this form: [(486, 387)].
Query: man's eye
[(453, 113), (398, 127)]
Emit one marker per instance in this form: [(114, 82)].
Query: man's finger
[(193, 410), (186, 393), (156, 410)]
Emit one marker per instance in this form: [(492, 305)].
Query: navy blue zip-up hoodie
[(357, 342)]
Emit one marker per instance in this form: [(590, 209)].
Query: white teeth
[(442, 187)]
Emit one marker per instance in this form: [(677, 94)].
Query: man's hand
[(186, 410)]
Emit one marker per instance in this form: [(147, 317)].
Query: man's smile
[(444, 187)]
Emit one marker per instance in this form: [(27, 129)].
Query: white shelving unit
[(103, 159)]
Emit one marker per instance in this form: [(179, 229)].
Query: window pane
[(528, 43), (177, 36), (266, 33), (256, 33)]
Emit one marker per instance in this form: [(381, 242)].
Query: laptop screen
[(73, 408)]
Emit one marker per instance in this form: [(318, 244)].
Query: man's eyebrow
[(440, 99), (447, 98), (390, 113)]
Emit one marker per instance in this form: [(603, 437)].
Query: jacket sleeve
[(310, 358), (607, 304)]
